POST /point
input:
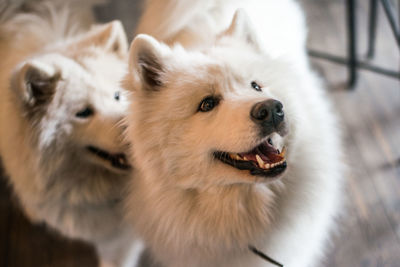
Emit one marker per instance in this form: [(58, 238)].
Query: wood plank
[(25, 244)]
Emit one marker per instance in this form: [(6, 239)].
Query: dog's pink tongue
[(267, 153), (248, 156)]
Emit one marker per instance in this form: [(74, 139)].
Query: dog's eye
[(116, 95), (256, 86), (208, 103), (85, 113)]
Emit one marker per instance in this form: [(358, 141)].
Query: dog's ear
[(110, 36), (242, 28), (35, 83), (146, 62)]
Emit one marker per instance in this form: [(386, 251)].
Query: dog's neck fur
[(212, 236)]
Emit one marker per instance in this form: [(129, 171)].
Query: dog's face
[(72, 98), (218, 116)]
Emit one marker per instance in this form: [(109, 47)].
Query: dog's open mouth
[(117, 160), (263, 160)]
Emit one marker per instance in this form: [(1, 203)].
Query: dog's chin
[(264, 160), (116, 162)]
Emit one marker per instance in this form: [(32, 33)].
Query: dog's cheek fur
[(227, 128)]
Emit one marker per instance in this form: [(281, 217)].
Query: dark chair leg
[(373, 4), (352, 42), (392, 20)]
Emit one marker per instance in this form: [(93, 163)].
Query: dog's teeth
[(260, 161), (267, 165), (245, 158), (237, 157), (283, 152), (232, 156)]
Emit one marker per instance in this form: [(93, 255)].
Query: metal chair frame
[(352, 61)]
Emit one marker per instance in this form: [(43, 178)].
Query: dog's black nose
[(268, 113)]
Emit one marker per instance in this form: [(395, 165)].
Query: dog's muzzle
[(265, 159)]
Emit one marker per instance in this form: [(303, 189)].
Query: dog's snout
[(269, 112)]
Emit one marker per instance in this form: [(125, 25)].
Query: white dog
[(61, 105), (235, 144)]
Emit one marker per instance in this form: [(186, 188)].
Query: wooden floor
[(369, 231)]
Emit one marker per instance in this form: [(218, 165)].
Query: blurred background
[(369, 231)]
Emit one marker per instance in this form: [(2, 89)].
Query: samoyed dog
[(237, 151), (61, 106)]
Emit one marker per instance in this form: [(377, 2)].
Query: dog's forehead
[(218, 66), (246, 65), (95, 69), (88, 77), (218, 71), (201, 80), (101, 63), (103, 81)]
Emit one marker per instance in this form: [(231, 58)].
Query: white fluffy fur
[(191, 209), (43, 143)]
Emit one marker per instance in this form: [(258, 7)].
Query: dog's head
[(71, 97), (217, 116)]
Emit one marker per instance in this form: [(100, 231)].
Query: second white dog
[(60, 133)]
